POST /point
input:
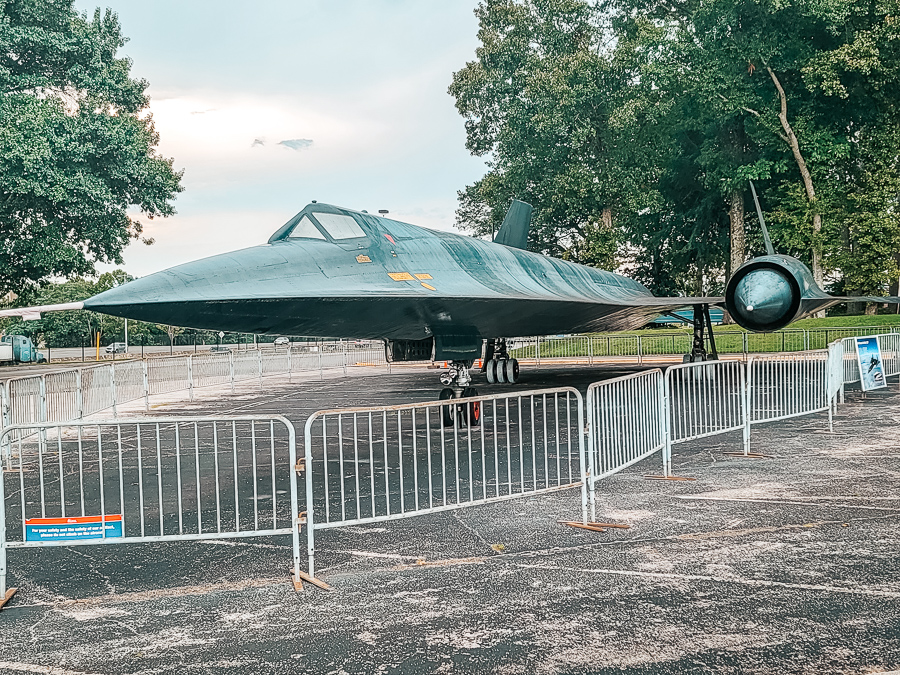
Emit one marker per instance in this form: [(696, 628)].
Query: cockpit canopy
[(321, 221)]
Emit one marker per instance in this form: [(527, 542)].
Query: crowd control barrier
[(82, 392), (626, 423), (170, 479), (166, 479), (375, 464)]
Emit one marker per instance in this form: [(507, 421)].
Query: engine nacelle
[(768, 293)]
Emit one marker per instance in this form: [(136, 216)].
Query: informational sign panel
[(871, 372), (81, 527)]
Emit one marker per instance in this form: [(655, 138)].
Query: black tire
[(470, 411), (501, 371), (491, 371), (511, 371), (448, 412)]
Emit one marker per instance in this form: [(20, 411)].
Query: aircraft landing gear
[(499, 367), (465, 413), (702, 322)]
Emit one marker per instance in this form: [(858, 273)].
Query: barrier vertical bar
[(310, 520), (146, 377), (42, 402), (112, 386), (3, 533), (290, 363), (231, 369), (640, 352), (746, 380), (664, 423), (190, 376), (259, 365), (588, 489)]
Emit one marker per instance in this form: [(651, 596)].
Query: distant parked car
[(116, 348), (219, 348), (282, 341)]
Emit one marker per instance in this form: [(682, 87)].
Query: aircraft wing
[(34, 313)]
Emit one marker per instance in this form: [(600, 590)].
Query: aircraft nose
[(763, 296), (221, 278)]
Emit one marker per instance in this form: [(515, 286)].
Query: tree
[(633, 126), (545, 105), (77, 147), (79, 327)]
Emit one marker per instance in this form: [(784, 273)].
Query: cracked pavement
[(780, 565)]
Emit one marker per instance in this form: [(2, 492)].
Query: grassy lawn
[(730, 339)]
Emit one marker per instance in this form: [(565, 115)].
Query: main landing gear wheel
[(491, 371), (504, 371), (511, 371)]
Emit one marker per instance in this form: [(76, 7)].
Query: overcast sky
[(269, 105)]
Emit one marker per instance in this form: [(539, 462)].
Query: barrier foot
[(597, 527), (593, 527), (11, 592), (668, 478), (298, 581), (750, 455)]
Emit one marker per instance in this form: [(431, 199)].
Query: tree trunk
[(791, 139), (738, 241), (606, 218), (895, 284)]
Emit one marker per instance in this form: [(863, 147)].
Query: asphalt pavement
[(784, 564)]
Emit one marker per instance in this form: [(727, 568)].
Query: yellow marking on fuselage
[(430, 288), (401, 276), (424, 277), (363, 258)]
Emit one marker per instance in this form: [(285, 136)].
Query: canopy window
[(340, 226), (306, 229)]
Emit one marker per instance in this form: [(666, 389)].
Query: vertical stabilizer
[(514, 231)]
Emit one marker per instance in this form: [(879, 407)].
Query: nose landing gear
[(464, 413)]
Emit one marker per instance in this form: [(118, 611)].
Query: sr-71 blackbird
[(335, 272)]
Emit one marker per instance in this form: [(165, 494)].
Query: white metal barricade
[(705, 399), (626, 423), (167, 479), (26, 400), (375, 464), (787, 385), (61, 396), (167, 374), (129, 378), (851, 365), (890, 353), (211, 369)]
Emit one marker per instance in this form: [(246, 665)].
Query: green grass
[(730, 339), (879, 320)]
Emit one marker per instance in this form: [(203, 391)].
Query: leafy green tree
[(546, 107), (80, 327), (77, 147), (633, 126)]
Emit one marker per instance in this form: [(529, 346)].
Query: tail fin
[(514, 231)]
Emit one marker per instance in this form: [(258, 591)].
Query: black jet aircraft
[(335, 272)]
